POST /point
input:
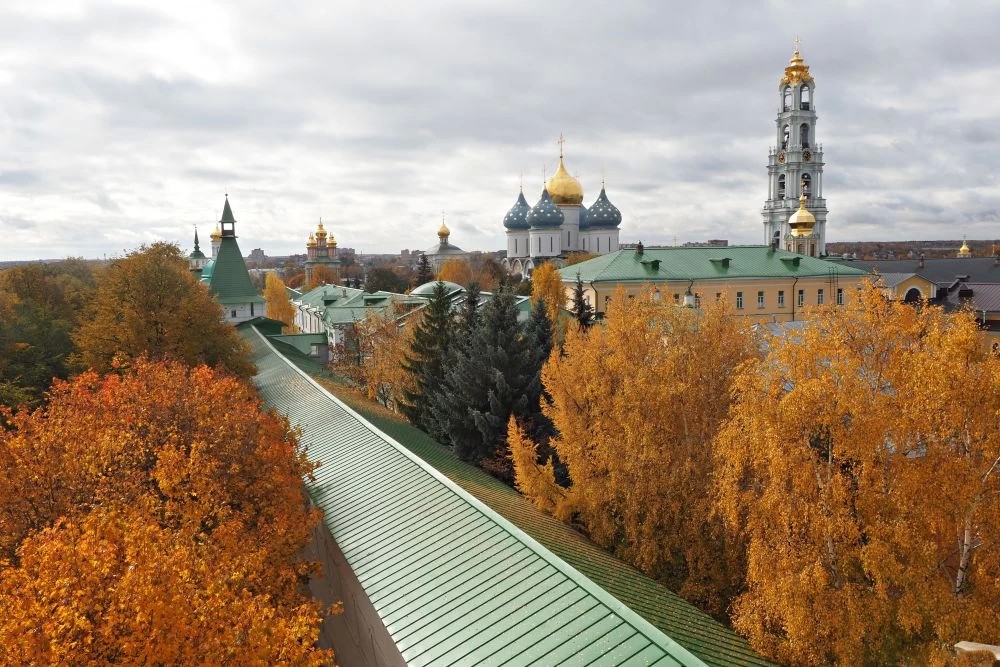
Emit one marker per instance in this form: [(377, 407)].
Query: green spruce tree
[(489, 377), (583, 312), (432, 339), (424, 273)]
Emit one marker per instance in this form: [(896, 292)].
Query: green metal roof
[(693, 629), (228, 278), (702, 263), (453, 581)]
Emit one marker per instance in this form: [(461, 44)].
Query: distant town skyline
[(125, 123)]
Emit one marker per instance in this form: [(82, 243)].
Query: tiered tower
[(795, 165), (321, 250)]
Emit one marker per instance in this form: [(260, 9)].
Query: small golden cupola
[(320, 232), (562, 187), (802, 221), (797, 71), (443, 231), (965, 250), (311, 243), (216, 233)]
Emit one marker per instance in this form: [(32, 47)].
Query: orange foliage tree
[(577, 257), (455, 270), (278, 305), (374, 355), (862, 465), (158, 504), (636, 403), (322, 275), (149, 303)]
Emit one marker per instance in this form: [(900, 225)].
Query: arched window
[(784, 137), (804, 98), (804, 135), (807, 185), (786, 104), (781, 186), (913, 295)]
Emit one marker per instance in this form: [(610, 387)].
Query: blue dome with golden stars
[(545, 213)]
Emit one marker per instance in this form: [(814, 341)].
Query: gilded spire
[(797, 71)]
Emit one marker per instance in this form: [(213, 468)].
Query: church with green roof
[(226, 273)]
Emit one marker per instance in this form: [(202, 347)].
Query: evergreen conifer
[(424, 273), (488, 379), (431, 341), (582, 310)]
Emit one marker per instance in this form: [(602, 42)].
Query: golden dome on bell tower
[(563, 188), (320, 232), (797, 70), (802, 221)]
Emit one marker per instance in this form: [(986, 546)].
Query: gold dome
[(443, 231), (965, 250), (797, 71), (216, 233), (311, 243), (320, 232), (802, 221), (563, 188)]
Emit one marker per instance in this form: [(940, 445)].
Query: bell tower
[(795, 164)]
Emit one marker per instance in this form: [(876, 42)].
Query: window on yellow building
[(819, 296), (840, 296), (781, 298), (739, 301), (760, 299)]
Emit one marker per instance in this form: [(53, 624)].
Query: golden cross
[(798, 42), (561, 142)]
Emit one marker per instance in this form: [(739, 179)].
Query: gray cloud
[(126, 125)]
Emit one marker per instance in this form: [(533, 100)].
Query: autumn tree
[(149, 303), (577, 257), (636, 403), (112, 587), (862, 465), (375, 362), (547, 287), (279, 306), (424, 361), (455, 270), (148, 507), (383, 278), (321, 274), (40, 306)]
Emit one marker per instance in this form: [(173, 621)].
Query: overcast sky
[(126, 123)]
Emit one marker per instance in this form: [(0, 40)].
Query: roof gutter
[(795, 297)]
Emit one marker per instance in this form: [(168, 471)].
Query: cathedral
[(559, 224), (795, 211), (321, 250)]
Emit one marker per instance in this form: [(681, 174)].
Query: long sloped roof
[(453, 581)]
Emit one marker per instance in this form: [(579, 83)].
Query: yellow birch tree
[(862, 466), (547, 286), (456, 271), (279, 306), (636, 403)]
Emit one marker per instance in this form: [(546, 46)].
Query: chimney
[(920, 264), (639, 248)]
